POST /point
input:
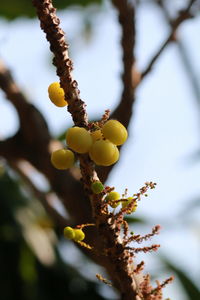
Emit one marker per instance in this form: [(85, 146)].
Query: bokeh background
[(163, 146)]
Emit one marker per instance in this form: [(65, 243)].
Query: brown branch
[(123, 112), (33, 126), (126, 18), (59, 220), (32, 142), (182, 16), (49, 23), (119, 259)]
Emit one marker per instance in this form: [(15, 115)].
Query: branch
[(49, 23), (185, 57), (59, 220), (118, 262), (29, 116), (182, 16), (123, 112), (33, 146), (32, 143), (126, 17)]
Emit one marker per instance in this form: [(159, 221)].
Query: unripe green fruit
[(115, 132), (79, 139), (79, 235), (113, 196), (57, 95), (69, 233), (62, 159), (104, 153), (126, 203), (97, 187)]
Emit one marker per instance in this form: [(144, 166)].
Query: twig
[(185, 57), (154, 247), (140, 239), (182, 16)]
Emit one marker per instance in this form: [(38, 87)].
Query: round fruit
[(104, 153), (62, 159), (113, 196), (79, 235), (56, 94), (97, 187), (96, 135), (126, 203), (78, 139), (69, 233), (115, 132)]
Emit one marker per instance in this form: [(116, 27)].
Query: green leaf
[(188, 285), (132, 220), (23, 8)]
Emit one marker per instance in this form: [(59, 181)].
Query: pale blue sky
[(164, 132)]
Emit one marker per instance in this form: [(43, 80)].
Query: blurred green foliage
[(23, 276), (191, 290), (23, 8)]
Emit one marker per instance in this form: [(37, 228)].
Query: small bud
[(69, 233), (97, 187), (79, 235)]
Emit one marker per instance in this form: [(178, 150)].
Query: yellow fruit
[(56, 94), (126, 203), (104, 153), (79, 235), (115, 132), (62, 159), (78, 139), (113, 196), (96, 135), (69, 233)]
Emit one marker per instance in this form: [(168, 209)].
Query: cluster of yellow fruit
[(76, 235), (101, 144), (115, 196)]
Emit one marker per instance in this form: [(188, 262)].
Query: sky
[(164, 132)]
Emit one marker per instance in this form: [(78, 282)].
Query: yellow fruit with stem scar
[(115, 132), (69, 233), (104, 153), (79, 139), (79, 235), (57, 95), (62, 159)]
